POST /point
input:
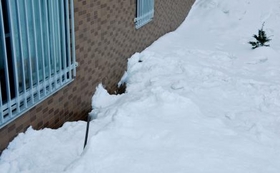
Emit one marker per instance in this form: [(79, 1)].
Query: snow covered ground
[(199, 100)]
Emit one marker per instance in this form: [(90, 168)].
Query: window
[(144, 12), (37, 53)]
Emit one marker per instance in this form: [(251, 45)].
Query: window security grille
[(144, 13), (36, 56)]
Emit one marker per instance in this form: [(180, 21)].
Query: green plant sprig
[(261, 39)]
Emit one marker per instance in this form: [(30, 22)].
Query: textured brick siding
[(105, 38)]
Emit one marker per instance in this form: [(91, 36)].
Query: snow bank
[(198, 100)]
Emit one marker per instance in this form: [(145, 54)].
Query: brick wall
[(105, 38)]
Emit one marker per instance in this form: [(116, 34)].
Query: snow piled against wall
[(198, 100)]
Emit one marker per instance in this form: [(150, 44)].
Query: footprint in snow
[(260, 61)]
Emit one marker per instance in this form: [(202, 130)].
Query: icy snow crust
[(200, 100)]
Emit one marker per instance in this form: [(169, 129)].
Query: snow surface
[(198, 100)]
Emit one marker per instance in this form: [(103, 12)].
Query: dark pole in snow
[(86, 137)]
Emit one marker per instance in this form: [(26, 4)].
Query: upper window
[(144, 12), (37, 52)]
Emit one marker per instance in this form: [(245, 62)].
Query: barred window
[(37, 53), (144, 12)]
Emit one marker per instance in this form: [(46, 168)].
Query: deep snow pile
[(198, 100)]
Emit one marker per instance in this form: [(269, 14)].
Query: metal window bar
[(6, 69), (58, 9), (74, 64), (47, 40), (41, 54), (29, 79), (68, 37), (34, 26), (63, 66), (42, 48), (144, 13), (15, 70)]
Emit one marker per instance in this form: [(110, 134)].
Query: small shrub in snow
[(261, 39)]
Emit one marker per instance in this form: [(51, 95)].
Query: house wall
[(105, 38)]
